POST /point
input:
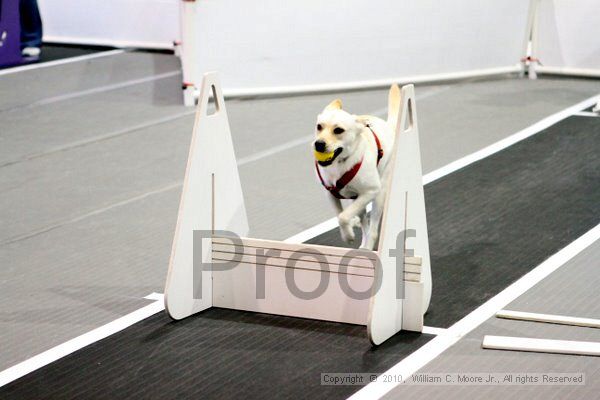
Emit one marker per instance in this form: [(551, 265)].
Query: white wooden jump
[(276, 277)]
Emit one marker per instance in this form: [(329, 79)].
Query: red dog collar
[(351, 173)]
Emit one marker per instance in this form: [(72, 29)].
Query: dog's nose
[(320, 146)]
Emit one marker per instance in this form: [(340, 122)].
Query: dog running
[(352, 154)]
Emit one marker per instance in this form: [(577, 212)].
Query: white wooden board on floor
[(211, 199), (541, 345), (549, 318)]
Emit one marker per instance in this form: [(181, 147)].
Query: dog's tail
[(394, 102)]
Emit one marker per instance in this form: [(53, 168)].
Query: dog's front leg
[(348, 217), (346, 230), (337, 204)]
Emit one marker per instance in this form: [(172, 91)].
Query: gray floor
[(92, 156), (572, 291)]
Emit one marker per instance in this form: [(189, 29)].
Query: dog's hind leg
[(364, 226), (374, 222)]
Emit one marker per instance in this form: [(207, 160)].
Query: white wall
[(120, 23), (266, 44), (569, 34)]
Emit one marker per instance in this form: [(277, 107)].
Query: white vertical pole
[(527, 39), (533, 60), (189, 49), (529, 59)]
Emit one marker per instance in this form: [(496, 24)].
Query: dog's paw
[(355, 222), (347, 235), (346, 230)]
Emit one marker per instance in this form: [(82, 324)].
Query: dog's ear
[(334, 105), (362, 119)]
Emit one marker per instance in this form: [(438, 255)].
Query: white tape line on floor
[(61, 61), (96, 90), (587, 114), (71, 346), (439, 344)]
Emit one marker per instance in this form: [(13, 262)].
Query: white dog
[(352, 155)]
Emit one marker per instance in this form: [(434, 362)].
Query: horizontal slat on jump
[(307, 265), (224, 253), (298, 264), (303, 247), (287, 254), (359, 262), (411, 277), (416, 261), (306, 248), (364, 258)]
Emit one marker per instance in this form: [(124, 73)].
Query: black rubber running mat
[(489, 224), (55, 51)]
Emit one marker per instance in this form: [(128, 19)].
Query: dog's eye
[(338, 131), (319, 127)]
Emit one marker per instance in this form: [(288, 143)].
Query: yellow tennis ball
[(323, 156)]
